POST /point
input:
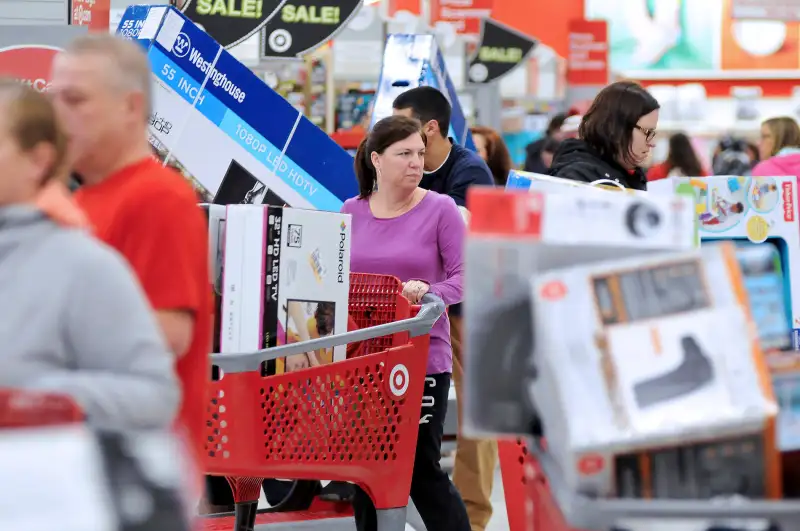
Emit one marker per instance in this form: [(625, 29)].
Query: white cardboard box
[(286, 278)]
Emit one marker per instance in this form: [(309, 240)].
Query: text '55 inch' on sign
[(230, 22), (304, 25)]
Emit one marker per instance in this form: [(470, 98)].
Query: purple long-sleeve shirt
[(426, 243)]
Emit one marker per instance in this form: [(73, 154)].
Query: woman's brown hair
[(32, 121), (785, 133), (497, 156), (607, 127), (384, 133)]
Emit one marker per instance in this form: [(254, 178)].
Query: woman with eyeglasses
[(614, 138)]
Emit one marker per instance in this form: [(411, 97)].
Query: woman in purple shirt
[(418, 236)]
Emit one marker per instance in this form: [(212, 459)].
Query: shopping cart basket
[(354, 420), (556, 508)]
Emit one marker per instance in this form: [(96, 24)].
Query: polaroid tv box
[(650, 378), (286, 280), (233, 135), (411, 61), (516, 234)]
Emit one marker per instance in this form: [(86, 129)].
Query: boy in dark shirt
[(451, 169)]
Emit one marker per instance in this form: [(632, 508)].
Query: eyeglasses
[(649, 134)]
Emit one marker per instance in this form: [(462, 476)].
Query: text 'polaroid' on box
[(234, 137)]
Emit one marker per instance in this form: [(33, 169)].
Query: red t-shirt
[(150, 215)]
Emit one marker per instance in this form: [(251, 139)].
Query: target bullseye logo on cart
[(280, 40), (182, 45), (398, 380)]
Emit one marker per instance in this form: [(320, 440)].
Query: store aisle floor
[(499, 520)]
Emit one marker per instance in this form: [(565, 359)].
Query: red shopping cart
[(354, 420), (564, 510)]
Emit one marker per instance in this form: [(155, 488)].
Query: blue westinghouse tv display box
[(411, 61), (233, 136)]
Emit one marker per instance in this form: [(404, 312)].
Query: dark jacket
[(462, 169), (576, 161), (533, 157)]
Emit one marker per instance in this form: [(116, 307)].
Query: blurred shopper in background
[(494, 152), (615, 137), (533, 152), (549, 150), (779, 148), (451, 170), (682, 161), (76, 321), (753, 152), (401, 229), (731, 157), (101, 88)]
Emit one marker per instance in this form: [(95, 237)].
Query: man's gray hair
[(131, 68)]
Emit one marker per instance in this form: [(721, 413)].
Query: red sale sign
[(29, 63), (465, 15)]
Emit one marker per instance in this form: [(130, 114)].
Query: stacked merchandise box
[(565, 245), (411, 61), (216, 256), (286, 278), (760, 214), (667, 393), (235, 138), (516, 234)]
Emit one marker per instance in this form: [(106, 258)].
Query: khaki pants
[(476, 459)]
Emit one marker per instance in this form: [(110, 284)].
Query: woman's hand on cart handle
[(414, 290)]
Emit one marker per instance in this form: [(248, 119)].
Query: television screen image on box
[(762, 270), (240, 187), (306, 320)]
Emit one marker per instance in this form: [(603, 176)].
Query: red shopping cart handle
[(430, 311)]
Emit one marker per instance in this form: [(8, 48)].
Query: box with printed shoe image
[(650, 379)]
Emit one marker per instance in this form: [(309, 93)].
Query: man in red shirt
[(101, 87)]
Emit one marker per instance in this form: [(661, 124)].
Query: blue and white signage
[(411, 61), (233, 135)]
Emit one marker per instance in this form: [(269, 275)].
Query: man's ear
[(431, 128)]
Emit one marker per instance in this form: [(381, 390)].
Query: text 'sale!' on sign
[(230, 22), (501, 49), (302, 27), (30, 64)]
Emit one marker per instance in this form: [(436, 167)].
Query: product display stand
[(355, 420)]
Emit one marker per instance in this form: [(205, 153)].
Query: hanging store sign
[(587, 63), (302, 27), (464, 15), (92, 13), (501, 49), (230, 22), (27, 52)]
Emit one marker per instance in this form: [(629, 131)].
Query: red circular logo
[(591, 464), (29, 63), (554, 290)]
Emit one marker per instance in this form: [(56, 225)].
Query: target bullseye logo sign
[(280, 40), (398, 380)]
